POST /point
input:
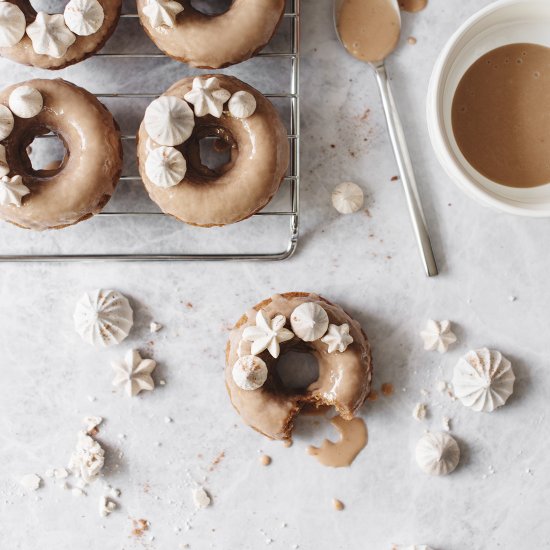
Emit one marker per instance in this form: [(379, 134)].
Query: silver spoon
[(397, 137)]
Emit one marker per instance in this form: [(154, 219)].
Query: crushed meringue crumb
[(31, 482), (106, 506), (446, 423), (201, 498), (441, 386), (155, 327), (167, 419), (420, 411)]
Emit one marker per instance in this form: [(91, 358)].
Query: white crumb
[(201, 498), (420, 411), (446, 423), (155, 327), (106, 506), (31, 482)]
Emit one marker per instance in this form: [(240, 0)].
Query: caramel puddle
[(413, 5), (353, 439)]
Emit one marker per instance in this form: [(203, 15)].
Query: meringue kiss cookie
[(103, 317), (263, 335), (437, 454), (190, 111), (54, 41), (483, 380)]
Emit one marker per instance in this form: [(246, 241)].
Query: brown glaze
[(259, 163), (369, 29), (413, 5), (86, 178), (216, 41), (83, 47), (353, 439), (501, 115), (387, 389), (344, 378)]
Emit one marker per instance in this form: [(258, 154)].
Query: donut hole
[(297, 370), (211, 7), (46, 153), (211, 152)]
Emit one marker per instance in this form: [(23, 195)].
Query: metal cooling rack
[(292, 14)]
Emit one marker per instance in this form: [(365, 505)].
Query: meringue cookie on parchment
[(25, 102), (437, 454), (12, 191), (309, 321), (483, 380), (84, 17), (50, 35), (249, 372), (438, 336), (12, 24), (207, 96), (348, 198), (165, 166), (242, 104), (103, 317), (169, 120), (134, 373)]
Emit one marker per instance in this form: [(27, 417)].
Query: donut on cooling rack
[(58, 40), (82, 183), (241, 121), (210, 41), (298, 322)]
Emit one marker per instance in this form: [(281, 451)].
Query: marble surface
[(497, 498)]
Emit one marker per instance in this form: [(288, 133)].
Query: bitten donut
[(244, 122), (210, 41), (78, 187), (298, 322), (58, 40)]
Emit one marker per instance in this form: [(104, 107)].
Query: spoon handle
[(406, 171)]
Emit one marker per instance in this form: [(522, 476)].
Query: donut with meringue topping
[(77, 186), (55, 41), (210, 41), (242, 124), (304, 323)]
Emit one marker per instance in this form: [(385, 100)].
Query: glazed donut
[(298, 322), (245, 123), (56, 41), (210, 41), (81, 185)]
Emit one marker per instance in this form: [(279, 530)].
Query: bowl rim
[(436, 126)]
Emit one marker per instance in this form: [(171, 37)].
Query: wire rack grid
[(292, 15)]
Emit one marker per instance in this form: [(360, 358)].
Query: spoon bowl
[(370, 35)]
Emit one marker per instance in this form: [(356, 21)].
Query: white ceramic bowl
[(501, 23)]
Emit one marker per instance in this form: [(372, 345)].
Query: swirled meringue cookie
[(12, 24), (347, 198), (437, 454), (103, 317), (6, 120), (169, 120), (309, 321), (162, 13), (4, 168), (483, 380), (207, 96), (25, 102), (84, 17), (249, 372), (242, 104), (438, 336), (337, 338), (50, 35), (165, 166), (12, 191)]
